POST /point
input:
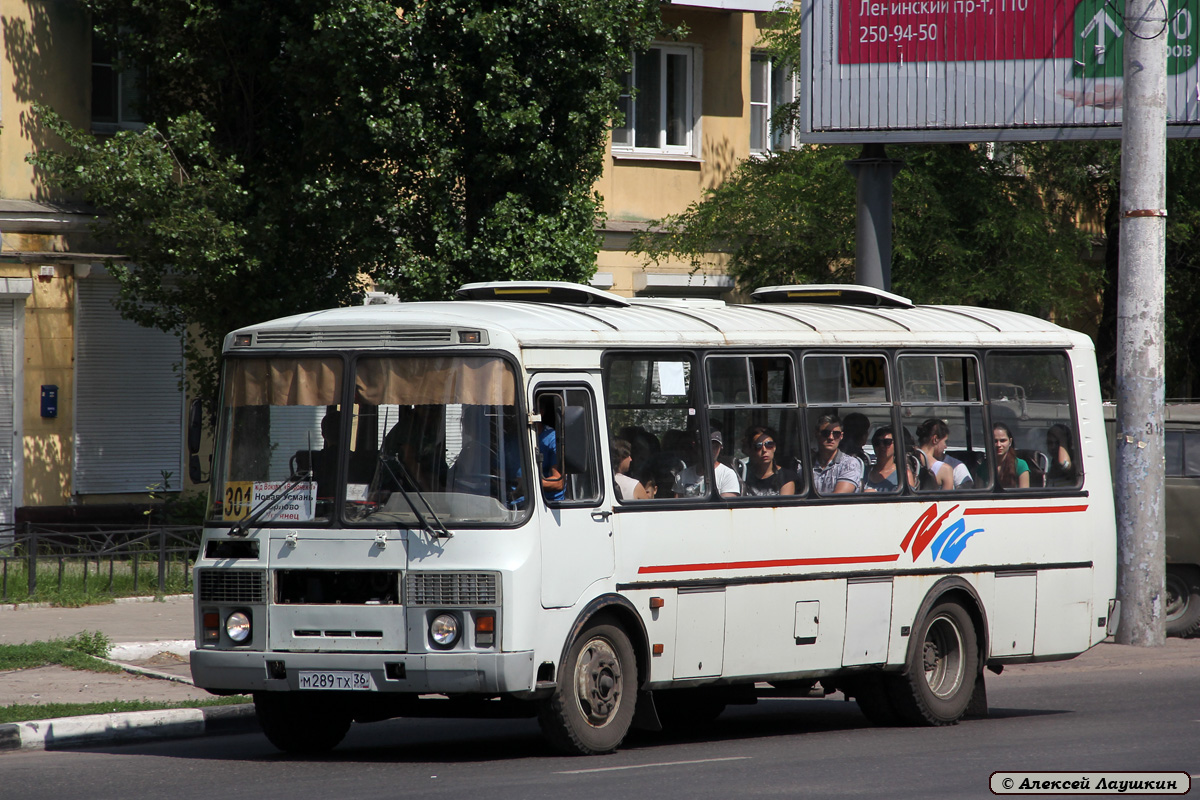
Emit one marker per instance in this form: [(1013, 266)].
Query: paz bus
[(426, 509)]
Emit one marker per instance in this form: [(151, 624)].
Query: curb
[(127, 727), (140, 651)]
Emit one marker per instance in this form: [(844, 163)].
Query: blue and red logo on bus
[(943, 545)]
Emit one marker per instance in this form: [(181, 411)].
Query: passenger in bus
[(553, 483), (1012, 472), (763, 476), (627, 487), (686, 462), (726, 480), (643, 446), (833, 471), (855, 427), (884, 475), (1063, 471), (647, 480), (932, 435)]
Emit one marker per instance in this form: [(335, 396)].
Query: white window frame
[(625, 138), (779, 89)]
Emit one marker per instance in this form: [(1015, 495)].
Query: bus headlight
[(237, 627), (443, 630)]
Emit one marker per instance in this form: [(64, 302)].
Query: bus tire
[(943, 665), (304, 726), (1183, 600), (592, 708)]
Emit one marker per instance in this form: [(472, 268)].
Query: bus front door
[(575, 503)]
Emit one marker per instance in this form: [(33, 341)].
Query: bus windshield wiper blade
[(243, 528), (440, 531)]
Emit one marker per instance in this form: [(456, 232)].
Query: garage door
[(128, 404)]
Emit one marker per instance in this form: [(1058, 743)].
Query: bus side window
[(1030, 393), (567, 446)]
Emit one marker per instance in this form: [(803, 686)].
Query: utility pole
[(873, 173), (1141, 548)]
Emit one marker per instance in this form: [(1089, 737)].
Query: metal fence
[(99, 549)]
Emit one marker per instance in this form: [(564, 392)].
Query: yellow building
[(91, 410), (702, 105)]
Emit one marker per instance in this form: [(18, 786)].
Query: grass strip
[(81, 651), (24, 713)]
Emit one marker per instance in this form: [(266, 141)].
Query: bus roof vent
[(837, 294), (541, 292)]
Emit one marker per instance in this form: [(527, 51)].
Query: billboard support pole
[(874, 172), (1140, 468)]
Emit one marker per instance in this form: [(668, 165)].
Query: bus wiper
[(440, 530), (243, 528)]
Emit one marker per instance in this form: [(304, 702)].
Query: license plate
[(339, 680)]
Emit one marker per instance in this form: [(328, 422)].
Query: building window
[(115, 94), (772, 86), (657, 102)]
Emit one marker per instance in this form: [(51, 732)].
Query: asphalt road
[(1115, 708)]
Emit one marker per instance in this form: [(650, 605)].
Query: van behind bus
[(1182, 507)]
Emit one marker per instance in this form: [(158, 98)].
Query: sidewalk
[(151, 639)]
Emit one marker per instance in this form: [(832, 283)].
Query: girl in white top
[(932, 436)]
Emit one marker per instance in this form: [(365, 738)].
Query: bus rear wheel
[(1183, 600), (305, 726), (592, 708), (939, 678)]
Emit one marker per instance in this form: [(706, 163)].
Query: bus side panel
[(793, 627), (1064, 612)]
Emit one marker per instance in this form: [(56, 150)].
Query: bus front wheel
[(937, 683), (592, 708), (305, 726)]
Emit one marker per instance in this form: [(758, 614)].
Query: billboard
[(981, 70)]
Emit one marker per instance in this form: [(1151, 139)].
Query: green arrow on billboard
[(1100, 37)]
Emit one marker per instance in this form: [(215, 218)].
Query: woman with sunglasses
[(833, 471), (884, 476), (763, 476)]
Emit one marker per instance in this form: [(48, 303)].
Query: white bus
[(414, 509)]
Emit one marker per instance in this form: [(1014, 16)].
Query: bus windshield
[(426, 441)]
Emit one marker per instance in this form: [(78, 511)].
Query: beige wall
[(638, 190), (46, 58)]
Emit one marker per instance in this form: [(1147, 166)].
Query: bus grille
[(232, 586), (354, 337), (453, 589)]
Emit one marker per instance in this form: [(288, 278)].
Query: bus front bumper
[(240, 671)]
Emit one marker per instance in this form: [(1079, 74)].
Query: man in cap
[(726, 479)]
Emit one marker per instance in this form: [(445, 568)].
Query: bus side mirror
[(194, 430), (575, 440), (195, 425)]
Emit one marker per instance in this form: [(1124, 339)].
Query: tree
[(967, 228), (295, 147)]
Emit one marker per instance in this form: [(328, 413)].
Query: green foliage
[(24, 713), (293, 148), (67, 587), (967, 229), (81, 651), (93, 643)]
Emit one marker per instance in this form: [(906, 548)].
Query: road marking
[(659, 764)]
